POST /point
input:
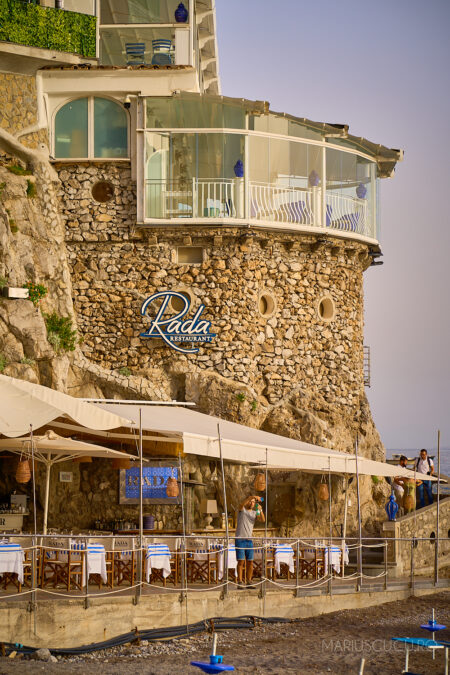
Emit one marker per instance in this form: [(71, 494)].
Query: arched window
[(91, 128)]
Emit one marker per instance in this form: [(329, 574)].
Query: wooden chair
[(202, 562), (62, 564), (27, 544), (124, 554), (312, 567)]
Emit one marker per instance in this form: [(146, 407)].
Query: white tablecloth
[(95, 562), (11, 560), (158, 557), (284, 554), (335, 558), (232, 561)]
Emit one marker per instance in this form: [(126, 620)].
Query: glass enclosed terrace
[(215, 159)]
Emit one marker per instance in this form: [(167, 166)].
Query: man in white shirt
[(424, 465), (399, 480)]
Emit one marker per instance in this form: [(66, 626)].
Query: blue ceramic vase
[(313, 179), (361, 191), (181, 14), (392, 508), (239, 169)]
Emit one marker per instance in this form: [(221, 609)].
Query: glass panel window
[(138, 11), (193, 113), (71, 130), (259, 159), (110, 129)]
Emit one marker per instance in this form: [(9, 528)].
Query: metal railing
[(173, 563), (257, 201)]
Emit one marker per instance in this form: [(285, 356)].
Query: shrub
[(240, 397), (35, 292), (254, 404), (125, 371), (3, 362), (375, 480), (60, 333), (27, 361), (31, 189), (3, 282), (18, 170), (13, 227)]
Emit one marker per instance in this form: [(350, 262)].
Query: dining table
[(11, 559), (157, 557)]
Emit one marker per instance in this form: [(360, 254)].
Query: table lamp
[(209, 506)]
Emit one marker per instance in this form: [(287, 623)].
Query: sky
[(383, 68)]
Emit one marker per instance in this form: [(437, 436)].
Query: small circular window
[(266, 304), (176, 303), (103, 191), (326, 309)]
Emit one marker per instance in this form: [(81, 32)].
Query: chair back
[(125, 544), (161, 45)]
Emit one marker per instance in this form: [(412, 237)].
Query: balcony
[(263, 204), (29, 24)]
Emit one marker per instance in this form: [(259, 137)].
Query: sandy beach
[(332, 643)]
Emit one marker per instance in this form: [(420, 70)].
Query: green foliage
[(125, 371), (3, 282), (254, 404), (2, 187), (27, 361), (35, 292), (240, 397), (48, 28), (375, 480), (18, 170), (31, 189), (60, 332), (3, 362), (13, 227)]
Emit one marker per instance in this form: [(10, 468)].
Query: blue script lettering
[(172, 329)]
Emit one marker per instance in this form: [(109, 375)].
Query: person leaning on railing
[(424, 465), (249, 511)]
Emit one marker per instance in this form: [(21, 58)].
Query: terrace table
[(95, 562), (232, 561), (284, 554), (158, 557), (11, 560), (335, 557)]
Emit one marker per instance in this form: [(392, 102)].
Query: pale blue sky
[(382, 68)]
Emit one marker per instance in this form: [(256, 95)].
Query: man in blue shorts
[(244, 531)]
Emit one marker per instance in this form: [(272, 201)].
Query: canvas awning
[(199, 435), (23, 404)]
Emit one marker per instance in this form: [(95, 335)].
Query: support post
[(34, 540), (141, 514), (412, 563), (330, 568), (184, 594), (436, 550), (225, 558), (359, 583), (344, 533), (386, 564), (47, 491)]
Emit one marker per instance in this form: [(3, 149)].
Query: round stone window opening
[(266, 304), (103, 191), (326, 309), (177, 304)]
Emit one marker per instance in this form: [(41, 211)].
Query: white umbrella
[(51, 449), (23, 404)]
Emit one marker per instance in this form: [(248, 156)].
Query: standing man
[(399, 488), (424, 465), (244, 543)]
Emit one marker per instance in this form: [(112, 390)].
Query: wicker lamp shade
[(121, 463), (323, 493), (260, 482), (23, 473), (172, 489), (82, 460)]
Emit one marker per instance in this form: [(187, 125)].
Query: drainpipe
[(41, 110)]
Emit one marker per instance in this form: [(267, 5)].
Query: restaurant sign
[(173, 328), (154, 484)]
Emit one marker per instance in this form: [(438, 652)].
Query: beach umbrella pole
[(359, 519), (225, 506)]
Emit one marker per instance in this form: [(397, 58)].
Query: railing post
[(83, 567), (324, 189), (385, 564), (412, 562), (297, 569)]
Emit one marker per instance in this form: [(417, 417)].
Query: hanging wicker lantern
[(23, 473), (121, 463), (323, 493), (260, 482), (82, 460), (172, 489)]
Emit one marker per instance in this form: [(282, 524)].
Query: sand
[(332, 643)]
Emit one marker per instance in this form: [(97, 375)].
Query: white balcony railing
[(254, 201)]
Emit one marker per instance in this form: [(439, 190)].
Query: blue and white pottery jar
[(392, 508), (181, 14), (313, 179), (239, 169), (361, 191)]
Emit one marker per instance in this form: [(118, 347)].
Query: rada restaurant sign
[(174, 326)]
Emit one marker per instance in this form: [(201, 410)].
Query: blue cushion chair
[(135, 53)]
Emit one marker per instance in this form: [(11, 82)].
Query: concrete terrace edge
[(66, 623)]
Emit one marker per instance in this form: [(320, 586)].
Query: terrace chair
[(125, 560), (62, 564), (27, 544), (202, 563), (162, 52), (135, 53)]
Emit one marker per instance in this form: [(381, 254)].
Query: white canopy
[(199, 434), (23, 404)]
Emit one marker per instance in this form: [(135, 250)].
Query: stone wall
[(18, 109), (420, 524)]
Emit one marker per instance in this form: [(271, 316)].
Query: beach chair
[(432, 645)]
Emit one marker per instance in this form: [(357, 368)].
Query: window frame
[(90, 131)]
